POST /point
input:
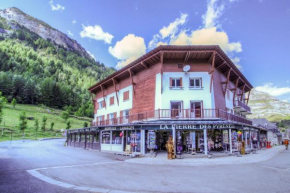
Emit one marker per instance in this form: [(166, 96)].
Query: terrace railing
[(174, 114)]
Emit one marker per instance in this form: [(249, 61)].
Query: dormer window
[(195, 83), (176, 83)]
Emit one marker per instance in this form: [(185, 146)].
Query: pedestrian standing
[(286, 143)]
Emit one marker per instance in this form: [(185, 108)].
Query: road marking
[(37, 174), (274, 168)]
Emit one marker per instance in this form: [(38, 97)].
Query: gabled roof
[(222, 62)]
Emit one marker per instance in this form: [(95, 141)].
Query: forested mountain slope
[(35, 70)]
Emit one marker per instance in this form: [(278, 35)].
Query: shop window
[(116, 137), (106, 135), (176, 83), (126, 95), (112, 100), (195, 83)]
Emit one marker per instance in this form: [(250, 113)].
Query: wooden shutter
[(200, 82), (115, 114), (112, 100), (170, 82), (125, 95), (181, 82)]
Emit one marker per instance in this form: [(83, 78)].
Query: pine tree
[(43, 126), (22, 122), (68, 125), (36, 127), (14, 102)]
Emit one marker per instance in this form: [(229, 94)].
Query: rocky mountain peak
[(264, 105), (42, 29)]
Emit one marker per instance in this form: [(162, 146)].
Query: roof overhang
[(170, 52)]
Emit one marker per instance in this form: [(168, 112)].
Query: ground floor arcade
[(188, 137)]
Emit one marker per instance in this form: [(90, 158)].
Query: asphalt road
[(102, 170)]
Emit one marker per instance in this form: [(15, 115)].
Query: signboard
[(226, 136), (204, 126), (164, 127)]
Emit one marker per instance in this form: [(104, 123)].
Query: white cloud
[(273, 90), (172, 28), (208, 34), (91, 54), (212, 14), (96, 32), (56, 7), (70, 33), (128, 49), (74, 21)]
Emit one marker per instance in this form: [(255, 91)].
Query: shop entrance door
[(176, 109), (132, 141), (195, 109)]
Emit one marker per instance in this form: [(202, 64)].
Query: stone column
[(205, 141), (251, 141), (230, 140)]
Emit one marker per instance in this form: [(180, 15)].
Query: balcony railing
[(242, 105), (174, 114)]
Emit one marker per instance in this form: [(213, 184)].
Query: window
[(101, 104), (175, 82), (126, 95), (106, 135), (126, 113), (116, 137), (112, 100), (111, 115), (101, 118), (195, 83)]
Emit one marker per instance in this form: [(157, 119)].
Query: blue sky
[(254, 33)]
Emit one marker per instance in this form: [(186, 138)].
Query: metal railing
[(174, 114), (242, 105)]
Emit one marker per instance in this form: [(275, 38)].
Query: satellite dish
[(186, 68)]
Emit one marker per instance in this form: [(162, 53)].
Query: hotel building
[(195, 94)]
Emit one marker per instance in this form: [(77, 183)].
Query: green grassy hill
[(11, 119)]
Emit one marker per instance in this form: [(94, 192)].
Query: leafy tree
[(51, 126), (22, 122), (14, 102), (65, 115), (85, 124), (36, 127), (68, 125), (3, 101), (43, 126)]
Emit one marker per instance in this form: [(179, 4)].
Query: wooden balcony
[(175, 114), (242, 107)]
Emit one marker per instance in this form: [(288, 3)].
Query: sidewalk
[(262, 155)]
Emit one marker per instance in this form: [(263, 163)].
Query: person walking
[(286, 143)]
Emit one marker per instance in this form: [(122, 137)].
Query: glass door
[(176, 109), (135, 141), (195, 109)]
